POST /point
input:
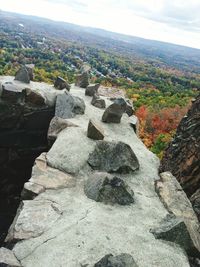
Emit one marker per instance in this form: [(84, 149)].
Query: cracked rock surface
[(63, 227)]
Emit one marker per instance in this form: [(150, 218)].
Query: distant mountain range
[(153, 52)]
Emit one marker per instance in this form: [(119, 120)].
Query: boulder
[(30, 69), (22, 75), (113, 157), (92, 89), (177, 203), (8, 259), (61, 83), (95, 131), (67, 106), (56, 126), (122, 260), (98, 102), (82, 80), (102, 187), (175, 230), (34, 98), (115, 111)]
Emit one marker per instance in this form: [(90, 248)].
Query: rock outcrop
[(73, 215), (182, 156), (92, 89), (25, 114), (98, 102), (82, 80)]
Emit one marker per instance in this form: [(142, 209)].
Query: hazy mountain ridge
[(154, 52)]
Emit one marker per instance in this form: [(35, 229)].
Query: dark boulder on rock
[(129, 108), (56, 126), (30, 69), (95, 131), (98, 102), (67, 106), (61, 83), (102, 187), (22, 75), (92, 89), (134, 123), (82, 80), (182, 155), (175, 230), (113, 157), (122, 260), (115, 111)]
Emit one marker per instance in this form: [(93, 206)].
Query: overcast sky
[(174, 21)]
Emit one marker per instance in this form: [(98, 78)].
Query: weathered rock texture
[(61, 226), (25, 114), (182, 156), (177, 203)]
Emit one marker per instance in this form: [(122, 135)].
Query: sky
[(174, 21)]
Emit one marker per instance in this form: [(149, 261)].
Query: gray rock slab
[(7, 258), (34, 218), (67, 159)]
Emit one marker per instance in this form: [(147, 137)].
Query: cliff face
[(91, 199), (182, 157)]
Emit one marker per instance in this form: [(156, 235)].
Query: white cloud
[(175, 21)]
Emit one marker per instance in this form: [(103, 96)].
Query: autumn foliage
[(158, 126)]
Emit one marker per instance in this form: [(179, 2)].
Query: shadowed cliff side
[(183, 154)]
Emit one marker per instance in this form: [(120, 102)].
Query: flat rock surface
[(85, 230)]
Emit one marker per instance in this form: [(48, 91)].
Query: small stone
[(61, 83), (22, 75), (30, 68), (67, 106), (7, 258), (56, 126), (98, 102), (113, 157), (102, 187), (82, 80), (95, 131), (175, 230), (195, 200), (92, 89), (34, 98), (122, 260), (115, 111)]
